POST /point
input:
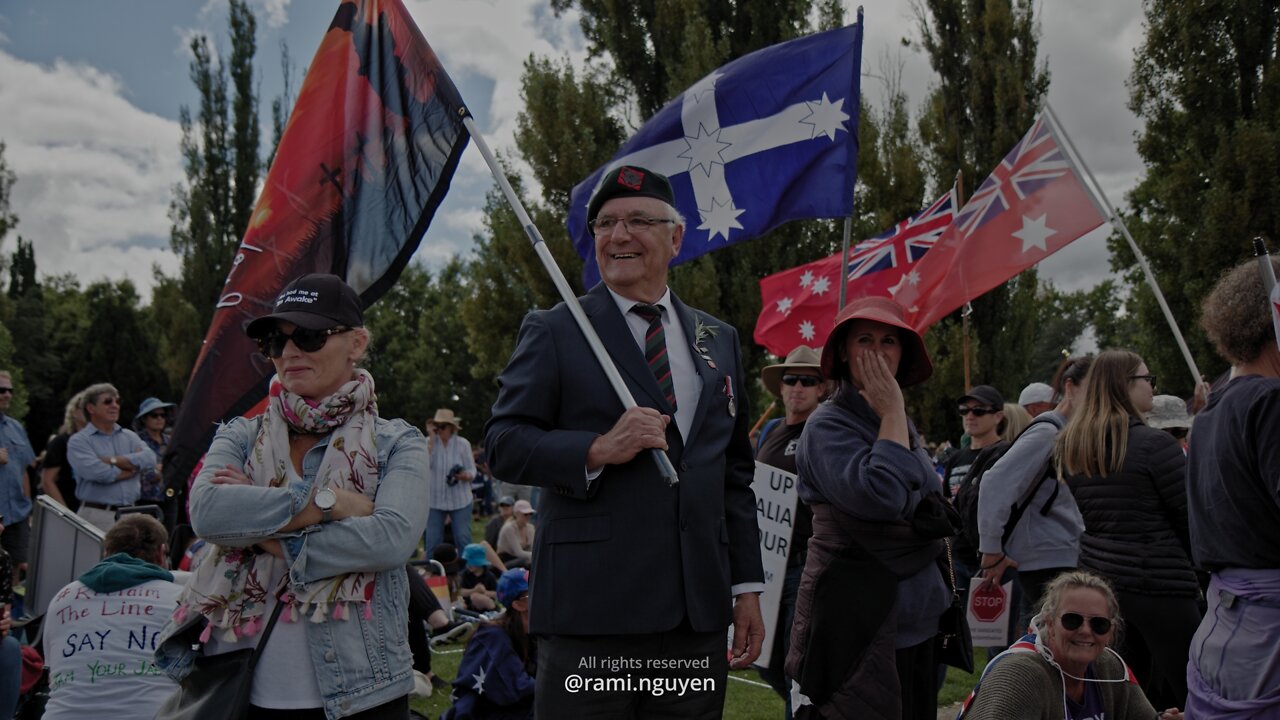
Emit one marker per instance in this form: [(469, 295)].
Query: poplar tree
[(1206, 87), (988, 90), (210, 211)]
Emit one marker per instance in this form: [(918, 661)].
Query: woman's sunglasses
[(977, 411), (308, 341), (805, 380), (1099, 625)]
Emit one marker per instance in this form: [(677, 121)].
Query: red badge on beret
[(631, 177)]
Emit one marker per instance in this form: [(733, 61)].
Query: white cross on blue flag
[(768, 138)]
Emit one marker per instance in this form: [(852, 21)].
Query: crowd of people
[(1139, 532)]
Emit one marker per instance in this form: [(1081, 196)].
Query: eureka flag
[(1033, 204), (799, 306), (365, 160), (768, 138)]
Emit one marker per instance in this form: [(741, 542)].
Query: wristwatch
[(325, 499), (111, 461)]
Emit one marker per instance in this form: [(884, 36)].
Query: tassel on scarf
[(321, 610), (368, 610), (180, 614), (206, 633), (339, 611)]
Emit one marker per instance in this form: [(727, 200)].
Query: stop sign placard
[(987, 601)]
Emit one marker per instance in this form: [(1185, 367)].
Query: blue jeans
[(461, 519), (10, 675)]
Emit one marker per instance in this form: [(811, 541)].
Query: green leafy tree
[(42, 370), (8, 220), (420, 356), (989, 88), (1206, 87), (178, 332), (121, 350), (211, 209)]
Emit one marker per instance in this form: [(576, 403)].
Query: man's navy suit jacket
[(630, 554)]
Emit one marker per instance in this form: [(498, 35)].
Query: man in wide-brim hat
[(798, 382)]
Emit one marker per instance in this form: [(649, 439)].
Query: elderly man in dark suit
[(634, 580)]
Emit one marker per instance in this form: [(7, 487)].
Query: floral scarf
[(228, 586)]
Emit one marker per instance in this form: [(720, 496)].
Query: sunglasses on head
[(805, 380), (308, 341), (977, 411), (1099, 625)]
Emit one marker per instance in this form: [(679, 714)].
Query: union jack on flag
[(904, 243), (1035, 161)]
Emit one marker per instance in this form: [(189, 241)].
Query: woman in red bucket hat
[(871, 594)]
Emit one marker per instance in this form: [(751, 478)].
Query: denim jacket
[(360, 663)]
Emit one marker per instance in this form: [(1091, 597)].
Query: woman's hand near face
[(879, 388), (881, 391)]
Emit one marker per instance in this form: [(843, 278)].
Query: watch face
[(326, 498)]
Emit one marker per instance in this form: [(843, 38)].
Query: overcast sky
[(91, 91)]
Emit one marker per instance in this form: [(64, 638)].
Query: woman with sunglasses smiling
[(316, 503), (1128, 481), (1065, 669)]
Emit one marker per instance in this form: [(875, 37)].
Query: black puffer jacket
[(1136, 520)]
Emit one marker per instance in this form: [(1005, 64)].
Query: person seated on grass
[(495, 677), (478, 586), (494, 526), (515, 539)]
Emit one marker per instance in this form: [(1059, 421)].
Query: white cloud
[(94, 172), (274, 13)]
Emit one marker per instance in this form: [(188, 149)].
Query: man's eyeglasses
[(6, 390), (1149, 378), (634, 225), (976, 411), (109, 400), (308, 341), (805, 380), (1099, 625)]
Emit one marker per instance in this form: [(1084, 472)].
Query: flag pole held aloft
[(1264, 264), (665, 466), (1118, 221)]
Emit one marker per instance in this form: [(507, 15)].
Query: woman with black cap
[(872, 594), (315, 504)]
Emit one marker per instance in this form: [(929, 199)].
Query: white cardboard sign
[(988, 611)]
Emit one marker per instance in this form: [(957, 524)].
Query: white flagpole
[(1118, 221), (844, 262), (665, 467), (848, 222)]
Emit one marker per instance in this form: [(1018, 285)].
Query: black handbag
[(954, 645), (217, 688)]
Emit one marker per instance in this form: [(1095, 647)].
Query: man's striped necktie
[(655, 349)]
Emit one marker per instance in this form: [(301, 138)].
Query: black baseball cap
[(316, 302), (630, 181), (987, 395)]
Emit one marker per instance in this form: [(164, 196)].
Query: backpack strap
[(765, 431)]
